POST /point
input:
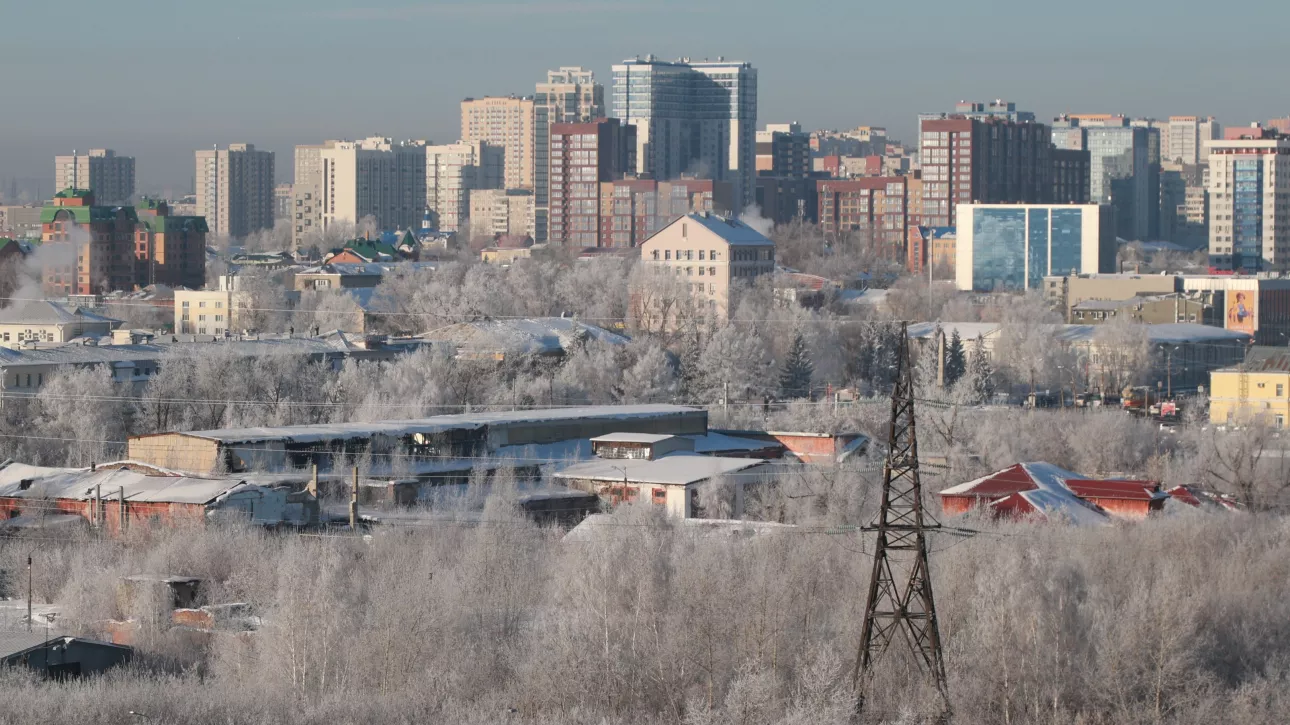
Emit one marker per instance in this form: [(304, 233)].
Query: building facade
[(281, 202), (507, 123), (989, 161), (783, 150), (169, 249), (631, 210), (1184, 141), (453, 173), (570, 95), (235, 190), (1249, 183), (706, 254), (376, 177), (1125, 173), (691, 118), (501, 213), (1012, 247), (88, 248), (101, 171), (583, 157), (876, 209)]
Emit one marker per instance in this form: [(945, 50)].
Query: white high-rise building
[(698, 118), (570, 95), (306, 194), (375, 177), (235, 189), (1185, 141), (109, 176), (453, 171), (1249, 181)]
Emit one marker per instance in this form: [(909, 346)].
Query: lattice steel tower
[(900, 591)]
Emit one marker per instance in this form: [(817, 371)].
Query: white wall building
[(375, 177), (235, 189), (453, 171), (1012, 247), (1249, 216)]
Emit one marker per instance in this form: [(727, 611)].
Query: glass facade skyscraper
[(691, 118)]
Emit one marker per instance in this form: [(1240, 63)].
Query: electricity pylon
[(900, 601)]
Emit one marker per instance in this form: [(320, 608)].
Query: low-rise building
[(672, 481), (1151, 309), (1257, 390), (338, 276), (1042, 491), (707, 254), (45, 321), (60, 656)]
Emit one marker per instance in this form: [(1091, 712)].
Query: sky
[(157, 80)]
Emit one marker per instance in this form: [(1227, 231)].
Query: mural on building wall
[(1241, 310)]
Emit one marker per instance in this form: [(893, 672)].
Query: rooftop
[(631, 438), (731, 231), (678, 469), (21, 481), (45, 312)]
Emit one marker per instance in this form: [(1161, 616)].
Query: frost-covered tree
[(734, 363), (795, 374), (955, 359), (651, 379), (981, 372), (691, 364)]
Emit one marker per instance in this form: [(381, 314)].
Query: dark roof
[(17, 642), (1265, 359)]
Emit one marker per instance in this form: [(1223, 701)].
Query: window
[(28, 384), (667, 254), (1280, 390), (658, 496), (700, 255), (1280, 422), (655, 255), (201, 304), (185, 303), (201, 318)]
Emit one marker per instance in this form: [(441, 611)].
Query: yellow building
[(1256, 391)]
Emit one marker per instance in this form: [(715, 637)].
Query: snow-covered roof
[(596, 525), (45, 312), (437, 424), (630, 438), (967, 330), (678, 469), (1157, 334), (80, 485), (732, 231), (711, 442), (1048, 490), (535, 336)]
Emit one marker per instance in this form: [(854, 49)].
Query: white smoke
[(752, 217)]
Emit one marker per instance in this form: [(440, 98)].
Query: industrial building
[(414, 446), (1042, 491)]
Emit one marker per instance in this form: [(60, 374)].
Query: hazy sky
[(157, 80)]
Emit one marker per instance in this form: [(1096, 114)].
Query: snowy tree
[(735, 364), (691, 365), (981, 372), (955, 360), (795, 375), (651, 379), (1124, 353)]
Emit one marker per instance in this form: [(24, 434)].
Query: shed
[(671, 481), (60, 655), (647, 446), (1006, 490)]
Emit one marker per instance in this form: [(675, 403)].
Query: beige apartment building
[(205, 312), (101, 171), (506, 122), (501, 212), (375, 177), (1249, 180), (306, 193), (235, 189), (453, 173), (701, 256)]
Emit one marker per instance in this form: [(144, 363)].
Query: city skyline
[(405, 92)]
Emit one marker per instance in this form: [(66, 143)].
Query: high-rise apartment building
[(169, 249), (375, 177), (876, 208), (784, 150), (1186, 136), (453, 173), (1125, 173), (1249, 200), (306, 195), (506, 122), (1071, 169), (282, 202), (583, 155), (988, 161), (101, 171), (691, 118), (570, 95), (235, 189)]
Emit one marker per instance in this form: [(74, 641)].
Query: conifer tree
[(955, 360), (982, 372), (795, 376)]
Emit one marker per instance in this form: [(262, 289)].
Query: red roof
[(1125, 490), (1009, 480)]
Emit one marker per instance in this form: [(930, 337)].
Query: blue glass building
[(1012, 247)]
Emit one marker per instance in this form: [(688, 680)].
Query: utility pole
[(900, 604), (353, 503), (29, 592)]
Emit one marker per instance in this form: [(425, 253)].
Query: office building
[(1124, 167), (631, 210), (501, 213), (1012, 247), (784, 200), (506, 122), (874, 209), (453, 172), (342, 182), (570, 95), (101, 171), (691, 118), (1186, 136), (583, 156), (1249, 182), (993, 161), (235, 190), (783, 150)]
